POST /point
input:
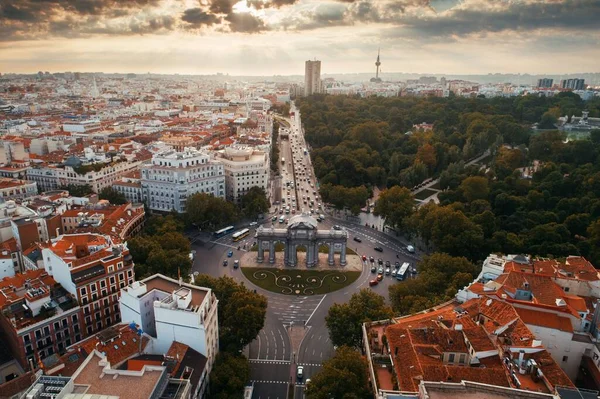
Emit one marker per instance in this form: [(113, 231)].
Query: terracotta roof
[(479, 339), (553, 373), (544, 319)]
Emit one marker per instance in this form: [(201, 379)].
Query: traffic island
[(299, 281)]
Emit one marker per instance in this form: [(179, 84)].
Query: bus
[(401, 275), (240, 234), (224, 231)]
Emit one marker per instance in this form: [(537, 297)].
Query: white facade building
[(82, 126), (173, 176), (51, 178), (244, 168), (171, 311)]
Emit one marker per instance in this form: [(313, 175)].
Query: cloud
[(245, 23), (222, 6), (198, 17)]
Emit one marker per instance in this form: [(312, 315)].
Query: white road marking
[(315, 309)]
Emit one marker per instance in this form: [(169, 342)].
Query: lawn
[(299, 282), (421, 195)]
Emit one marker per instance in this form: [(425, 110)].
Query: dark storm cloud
[(198, 17), (245, 23), (259, 4), (222, 6)]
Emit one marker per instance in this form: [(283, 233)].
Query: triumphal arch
[(301, 233)]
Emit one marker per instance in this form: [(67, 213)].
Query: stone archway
[(301, 231)]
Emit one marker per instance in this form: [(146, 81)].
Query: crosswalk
[(266, 361), (268, 382)]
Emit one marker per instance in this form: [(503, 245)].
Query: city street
[(272, 359)]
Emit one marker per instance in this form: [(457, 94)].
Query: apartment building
[(17, 189), (169, 310), (130, 186), (92, 268), (120, 222), (53, 177), (482, 341), (39, 317), (244, 168), (172, 177)]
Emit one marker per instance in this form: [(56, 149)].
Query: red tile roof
[(544, 319)]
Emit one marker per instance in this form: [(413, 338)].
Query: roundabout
[(299, 282)]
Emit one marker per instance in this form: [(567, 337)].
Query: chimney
[(521, 357)]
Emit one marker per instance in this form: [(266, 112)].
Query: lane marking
[(315, 309)]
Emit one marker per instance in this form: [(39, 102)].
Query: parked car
[(357, 239), (230, 254), (236, 264), (378, 249), (374, 282)]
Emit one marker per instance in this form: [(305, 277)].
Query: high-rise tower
[(377, 79), (312, 77)]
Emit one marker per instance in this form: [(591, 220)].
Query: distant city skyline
[(276, 37)]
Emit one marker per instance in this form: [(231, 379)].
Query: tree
[(344, 321), (548, 121), (229, 376), (344, 376), (209, 212), (254, 202), (112, 196), (241, 312), (395, 204), (426, 155), (78, 190), (475, 188)]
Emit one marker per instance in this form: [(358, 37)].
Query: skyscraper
[(573, 84), (545, 82), (312, 77)]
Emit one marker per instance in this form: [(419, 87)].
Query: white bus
[(240, 234), (401, 275)]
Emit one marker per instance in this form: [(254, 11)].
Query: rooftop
[(169, 285)]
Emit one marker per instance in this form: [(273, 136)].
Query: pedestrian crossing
[(266, 361), (310, 364), (268, 382)]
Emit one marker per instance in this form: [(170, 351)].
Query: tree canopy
[(112, 196), (344, 320), (396, 205), (254, 202), (229, 376), (209, 212), (344, 376), (241, 312)]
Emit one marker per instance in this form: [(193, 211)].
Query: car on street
[(373, 269), (230, 254), (397, 265), (373, 282), (300, 372), (357, 239), (380, 261), (225, 263), (364, 258), (372, 259), (410, 249), (336, 227), (274, 219), (380, 271), (394, 271), (387, 271), (252, 224), (379, 277), (236, 264), (378, 249), (388, 263)]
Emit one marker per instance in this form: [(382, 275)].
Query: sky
[(275, 37)]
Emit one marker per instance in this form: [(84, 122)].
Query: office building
[(545, 83), (312, 77), (173, 176)]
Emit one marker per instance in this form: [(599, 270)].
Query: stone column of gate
[(293, 256), (310, 255), (286, 254), (343, 255), (330, 257), (271, 252), (261, 252)]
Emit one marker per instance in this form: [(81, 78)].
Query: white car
[(252, 224), (410, 249)]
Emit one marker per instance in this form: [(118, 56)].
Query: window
[(74, 318), (47, 330), (93, 287), (82, 291), (451, 358), (111, 269), (56, 325), (565, 358)]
